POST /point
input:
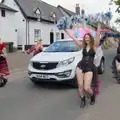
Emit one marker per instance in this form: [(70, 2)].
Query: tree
[(118, 9), (117, 2)]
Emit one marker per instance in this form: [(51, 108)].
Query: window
[(57, 36), (63, 46), (37, 34), (3, 13), (38, 12), (54, 15)]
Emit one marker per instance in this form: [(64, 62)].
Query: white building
[(30, 20), (8, 30), (35, 20)]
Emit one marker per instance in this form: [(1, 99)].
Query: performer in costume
[(4, 72), (86, 70), (35, 49)]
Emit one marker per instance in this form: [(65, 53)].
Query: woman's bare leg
[(79, 76), (87, 86), (87, 82)]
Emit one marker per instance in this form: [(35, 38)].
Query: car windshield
[(63, 46)]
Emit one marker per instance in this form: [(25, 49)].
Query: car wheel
[(101, 68)]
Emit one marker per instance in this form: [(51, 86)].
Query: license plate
[(43, 76)]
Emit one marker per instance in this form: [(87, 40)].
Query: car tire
[(101, 68)]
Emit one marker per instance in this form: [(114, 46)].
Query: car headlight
[(66, 62), (64, 74)]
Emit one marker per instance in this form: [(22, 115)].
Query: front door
[(62, 35), (51, 37)]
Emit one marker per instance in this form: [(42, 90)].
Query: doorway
[(51, 37), (62, 35)]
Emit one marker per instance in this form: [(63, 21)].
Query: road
[(21, 100)]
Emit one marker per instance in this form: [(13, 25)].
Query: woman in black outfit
[(85, 70)]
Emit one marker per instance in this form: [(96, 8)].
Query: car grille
[(44, 66)]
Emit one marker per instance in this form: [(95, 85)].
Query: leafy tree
[(117, 2)]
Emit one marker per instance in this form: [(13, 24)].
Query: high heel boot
[(92, 102), (83, 102)]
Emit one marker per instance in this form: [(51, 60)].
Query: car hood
[(54, 57)]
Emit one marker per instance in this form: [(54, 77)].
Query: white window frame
[(38, 13), (37, 34)]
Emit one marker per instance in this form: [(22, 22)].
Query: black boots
[(3, 81), (83, 102), (92, 102)]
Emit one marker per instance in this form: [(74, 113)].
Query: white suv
[(57, 63)]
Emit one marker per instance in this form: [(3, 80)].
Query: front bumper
[(63, 74)]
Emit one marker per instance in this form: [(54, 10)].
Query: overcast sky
[(91, 6)]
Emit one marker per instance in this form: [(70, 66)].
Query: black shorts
[(86, 67)]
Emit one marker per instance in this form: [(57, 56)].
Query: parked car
[(57, 63)]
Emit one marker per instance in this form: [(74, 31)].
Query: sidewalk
[(18, 61)]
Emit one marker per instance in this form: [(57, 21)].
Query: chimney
[(77, 9), (83, 12)]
